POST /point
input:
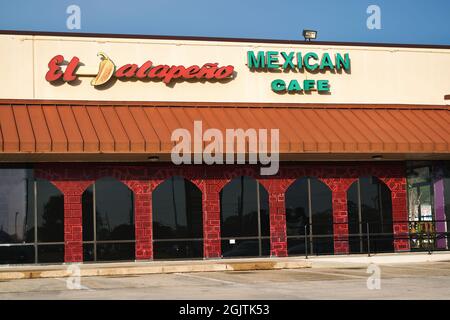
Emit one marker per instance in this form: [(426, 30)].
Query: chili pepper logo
[(106, 70)]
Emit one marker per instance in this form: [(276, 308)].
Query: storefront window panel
[(322, 217), (297, 216), (370, 212), (177, 210), (245, 247), (51, 253), (179, 249), (420, 204), (88, 213), (244, 213), (114, 210), (50, 212), (309, 212), (239, 208), (354, 225), (17, 254), (115, 251), (177, 214), (447, 197), (88, 252), (26, 202), (16, 206), (108, 221)]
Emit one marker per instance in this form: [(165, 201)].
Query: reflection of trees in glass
[(52, 227), (177, 213), (114, 210), (177, 210), (239, 208), (308, 204), (374, 209), (296, 219), (118, 232)]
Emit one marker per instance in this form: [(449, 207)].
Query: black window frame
[(309, 237), (95, 243), (263, 240), (194, 241), (36, 244)]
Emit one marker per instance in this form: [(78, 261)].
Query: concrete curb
[(128, 269), (244, 264)]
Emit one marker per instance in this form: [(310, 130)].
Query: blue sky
[(402, 21)]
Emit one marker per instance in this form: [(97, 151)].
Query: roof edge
[(223, 104), (220, 39)]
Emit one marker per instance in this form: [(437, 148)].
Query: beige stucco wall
[(378, 75)]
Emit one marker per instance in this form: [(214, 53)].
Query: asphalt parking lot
[(398, 281)]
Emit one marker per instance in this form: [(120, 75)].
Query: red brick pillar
[(73, 222), (212, 247), (142, 219), (277, 215), (339, 188), (278, 239), (399, 213)]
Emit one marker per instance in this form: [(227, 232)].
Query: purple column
[(439, 206)]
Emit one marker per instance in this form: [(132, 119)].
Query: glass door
[(420, 204)]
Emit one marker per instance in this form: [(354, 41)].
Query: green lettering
[(299, 61), (294, 86), (326, 62), (278, 85), (308, 84), (342, 62), (272, 59), (308, 56), (288, 60), (323, 86), (256, 62)]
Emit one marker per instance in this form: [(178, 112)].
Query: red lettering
[(224, 72), (70, 70), (142, 72), (146, 70), (207, 71), (191, 72), (127, 71), (158, 71), (54, 70), (174, 73)]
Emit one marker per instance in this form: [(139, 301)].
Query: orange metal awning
[(69, 127)]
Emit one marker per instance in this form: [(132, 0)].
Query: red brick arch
[(73, 178)]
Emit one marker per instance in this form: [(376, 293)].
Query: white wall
[(378, 75)]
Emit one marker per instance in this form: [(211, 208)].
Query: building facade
[(89, 126)]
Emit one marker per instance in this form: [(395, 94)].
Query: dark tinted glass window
[(50, 253), (245, 248), (317, 218), (16, 206), (353, 217), (369, 204), (50, 212), (88, 214), (114, 210), (115, 251), (239, 208), (178, 249), (17, 254), (297, 208), (177, 210), (322, 217), (242, 201)]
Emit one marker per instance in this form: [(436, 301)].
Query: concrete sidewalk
[(242, 264)]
